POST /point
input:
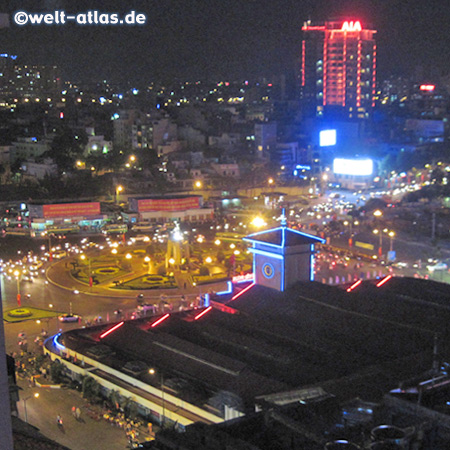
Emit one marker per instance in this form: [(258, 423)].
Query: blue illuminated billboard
[(327, 138)]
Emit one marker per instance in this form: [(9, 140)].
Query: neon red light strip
[(358, 74), (203, 313), (384, 280), (161, 319), (325, 65), (243, 290), (345, 70), (303, 62), (114, 328), (374, 71), (355, 284)]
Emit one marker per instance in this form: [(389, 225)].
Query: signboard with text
[(71, 209), (168, 204)]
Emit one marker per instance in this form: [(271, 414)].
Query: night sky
[(220, 39)]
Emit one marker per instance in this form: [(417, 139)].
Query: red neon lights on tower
[(303, 62)]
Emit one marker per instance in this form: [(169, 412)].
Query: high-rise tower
[(338, 69)]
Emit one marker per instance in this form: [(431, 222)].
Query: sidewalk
[(86, 434)]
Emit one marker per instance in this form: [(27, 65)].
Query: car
[(36, 265), (437, 266), (140, 238), (69, 318)]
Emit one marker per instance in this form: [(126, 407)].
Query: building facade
[(338, 69)]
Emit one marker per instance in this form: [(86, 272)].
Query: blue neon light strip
[(263, 253), (56, 343), (228, 291), (283, 236), (206, 303), (311, 263)]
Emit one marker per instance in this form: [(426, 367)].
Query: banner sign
[(71, 209), (168, 204)]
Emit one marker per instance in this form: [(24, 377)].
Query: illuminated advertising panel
[(168, 204), (360, 167), (71, 209), (327, 138)]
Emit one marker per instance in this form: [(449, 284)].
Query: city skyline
[(212, 40)]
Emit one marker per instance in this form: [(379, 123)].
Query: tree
[(57, 372), (66, 148), (90, 389)]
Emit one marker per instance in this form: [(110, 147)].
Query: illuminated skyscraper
[(338, 69)]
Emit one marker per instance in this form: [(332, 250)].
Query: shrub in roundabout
[(106, 270), (20, 312)]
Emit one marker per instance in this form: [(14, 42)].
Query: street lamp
[(17, 274), (258, 222), (153, 372), (147, 259), (378, 213), (391, 234), (380, 245), (35, 395), (83, 257), (119, 189)]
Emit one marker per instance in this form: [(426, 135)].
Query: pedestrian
[(78, 413), (74, 409)]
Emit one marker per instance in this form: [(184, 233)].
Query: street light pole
[(391, 245), (17, 275), (36, 395), (161, 380)]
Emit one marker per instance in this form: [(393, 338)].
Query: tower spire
[(283, 218)]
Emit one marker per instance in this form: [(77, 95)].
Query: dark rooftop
[(351, 343)]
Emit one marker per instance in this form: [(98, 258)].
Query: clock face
[(268, 270)]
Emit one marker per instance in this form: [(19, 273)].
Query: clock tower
[(282, 256)]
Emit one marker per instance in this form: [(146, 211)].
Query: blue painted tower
[(282, 256)]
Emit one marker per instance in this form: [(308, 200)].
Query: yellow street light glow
[(232, 246), (237, 252), (147, 259), (114, 251), (391, 233), (119, 188), (208, 260), (171, 261), (200, 239), (377, 213), (132, 158), (128, 256), (16, 273), (258, 222), (270, 180), (217, 242), (151, 371), (198, 184), (83, 256)]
